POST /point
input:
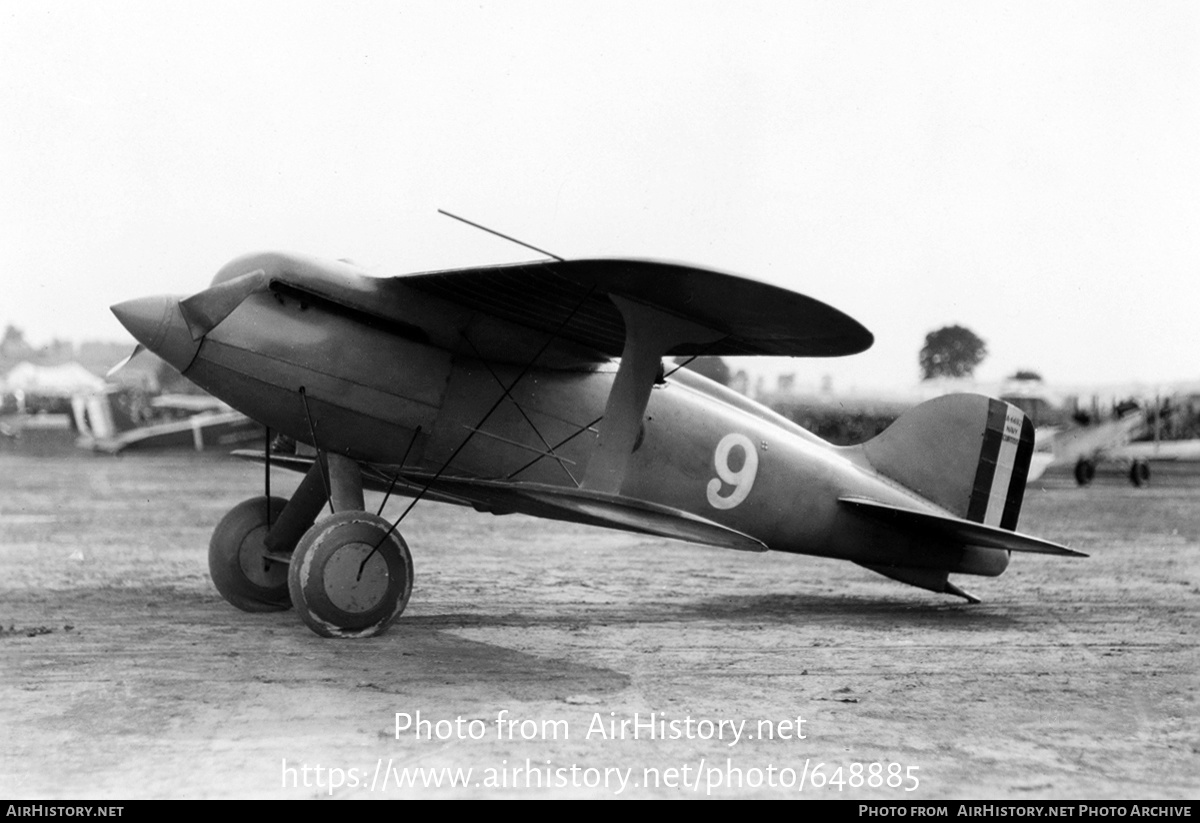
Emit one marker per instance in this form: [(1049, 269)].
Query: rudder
[(967, 453)]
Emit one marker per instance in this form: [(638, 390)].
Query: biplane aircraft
[(540, 388)]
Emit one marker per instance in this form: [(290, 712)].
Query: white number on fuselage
[(742, 480)]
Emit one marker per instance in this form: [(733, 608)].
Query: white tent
[(66, 380)]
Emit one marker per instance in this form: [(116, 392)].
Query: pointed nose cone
[(144, 318), (157, 324)]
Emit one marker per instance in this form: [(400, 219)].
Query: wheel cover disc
[(345, 588), (252, 559)]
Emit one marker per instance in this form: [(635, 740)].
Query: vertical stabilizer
[(967, 453)]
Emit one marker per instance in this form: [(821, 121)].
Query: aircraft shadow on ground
[(786, 608), (442, 657), (783, 609)]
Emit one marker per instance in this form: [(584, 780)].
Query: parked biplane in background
[(500, 388), (115, 419), (1079, 432), (38, 397)]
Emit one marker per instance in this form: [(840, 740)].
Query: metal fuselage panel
[(378, 397), (364, 392)]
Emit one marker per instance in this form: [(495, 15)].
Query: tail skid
[(931, 579)]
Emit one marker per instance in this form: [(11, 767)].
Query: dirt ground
[(527, 645)]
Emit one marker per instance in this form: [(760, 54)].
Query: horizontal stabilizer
[(957, 529)]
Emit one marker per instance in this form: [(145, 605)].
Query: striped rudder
[(1003, 465)]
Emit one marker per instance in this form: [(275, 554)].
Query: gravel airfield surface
[(540, 659)]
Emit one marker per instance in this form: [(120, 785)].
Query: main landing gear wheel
[(237, 558), (342, 585), (1139, 472), (1085, 472)]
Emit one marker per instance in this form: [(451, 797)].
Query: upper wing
[(1164, 450), (1096, 441), (572, 297)]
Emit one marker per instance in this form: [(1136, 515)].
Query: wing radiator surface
[(602, 509), (572, 299)]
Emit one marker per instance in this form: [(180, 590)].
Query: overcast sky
[(1028, 170)]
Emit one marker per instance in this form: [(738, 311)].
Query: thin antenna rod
[(505, 236)]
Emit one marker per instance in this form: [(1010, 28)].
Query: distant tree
[(13, 343), (1025, 374), (714, 368), (951, 351)]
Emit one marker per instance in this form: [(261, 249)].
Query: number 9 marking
[(742, 480)]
